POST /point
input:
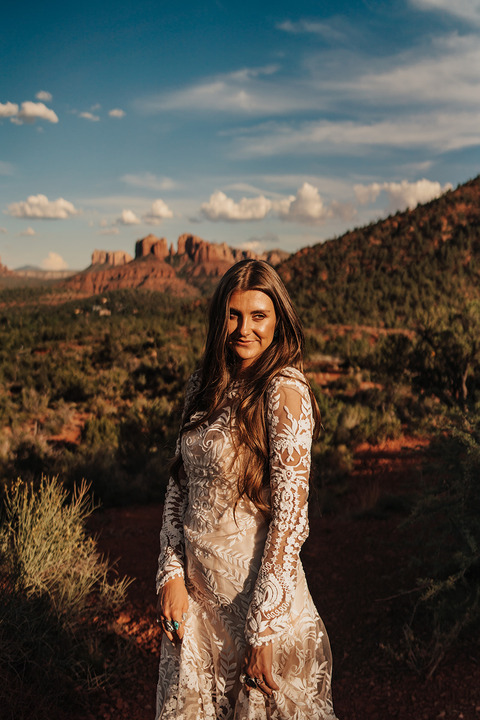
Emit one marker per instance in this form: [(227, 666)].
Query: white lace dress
[(243, 574)]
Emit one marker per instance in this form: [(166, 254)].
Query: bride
[(242, 637)]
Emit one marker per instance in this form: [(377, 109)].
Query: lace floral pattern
[(244, 576)]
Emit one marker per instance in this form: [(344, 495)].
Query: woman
[(243, 640)]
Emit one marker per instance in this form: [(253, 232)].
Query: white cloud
[(29, 232), (311, 27), (367, 194), (252, 245), (128, 217), (117, 113), (439, 131), (89, 116), (31, 111), (403, 194), (448, 73), (8, 110), (307, 206), (464, 9), (221, 207), (249, 91), (260, 242), (44, 95), (53, 261), (149, 180), (159, 211), (40, 207)]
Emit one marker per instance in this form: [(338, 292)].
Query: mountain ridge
[(191, 270), (392, 270)]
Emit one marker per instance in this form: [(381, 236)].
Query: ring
[(251, 682), (168, 626), (259, 681), (159, 621), (176, 625)]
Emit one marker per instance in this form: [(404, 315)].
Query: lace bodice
[(202, 503)]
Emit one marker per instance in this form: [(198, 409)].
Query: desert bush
[(447, 532), (100, 433), (447, 353), (147, 427), (56, 599), (29, 456)]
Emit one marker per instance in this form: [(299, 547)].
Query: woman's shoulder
[(289, 377)]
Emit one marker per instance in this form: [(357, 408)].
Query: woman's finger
[(262, 685), (167, 629), (269, 681)]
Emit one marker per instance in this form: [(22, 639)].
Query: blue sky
[(260, 124)]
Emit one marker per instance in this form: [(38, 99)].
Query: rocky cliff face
[(151, 245), (158, 267), (151, 274), (4, 270), (114, 258)]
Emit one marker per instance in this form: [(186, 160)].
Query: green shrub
[(447, 532), (100, 432), (56, 599)]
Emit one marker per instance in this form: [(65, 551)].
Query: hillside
[(388, 272)]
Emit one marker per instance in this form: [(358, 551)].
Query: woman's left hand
[(258, 665)]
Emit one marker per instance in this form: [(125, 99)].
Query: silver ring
[(168, 626), (159, 621)]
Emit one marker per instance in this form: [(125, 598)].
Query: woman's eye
[(259, 316)]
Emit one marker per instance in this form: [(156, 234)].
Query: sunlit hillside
[(392, 271)]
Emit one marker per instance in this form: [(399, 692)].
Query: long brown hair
[(219, 364)]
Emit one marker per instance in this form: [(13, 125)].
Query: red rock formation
[(151, 245), (201, 258), (114, 258), (148, 273), (4, 270), (153, 267)]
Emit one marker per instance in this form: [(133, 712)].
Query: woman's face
[(251, 324)]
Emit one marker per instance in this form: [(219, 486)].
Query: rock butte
[(4, 270), (157, 266)]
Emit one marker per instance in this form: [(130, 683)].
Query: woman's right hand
[(172, 605)]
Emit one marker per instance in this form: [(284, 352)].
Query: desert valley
[(93, 369)]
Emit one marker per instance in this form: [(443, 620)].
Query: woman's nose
[(244, 326)]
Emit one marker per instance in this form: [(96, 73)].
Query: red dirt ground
[(351, 561)]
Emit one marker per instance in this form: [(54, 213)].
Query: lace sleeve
[(290, 426), (171, 558)]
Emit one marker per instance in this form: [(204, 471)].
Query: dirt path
[(351, 562)]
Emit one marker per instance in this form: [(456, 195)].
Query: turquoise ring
[(175, 624)]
